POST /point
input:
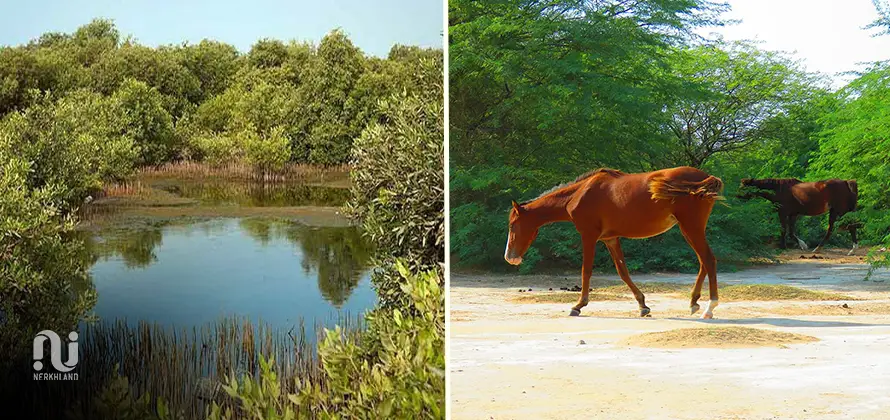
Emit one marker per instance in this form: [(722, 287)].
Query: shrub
[(44, 284), (69, 144), (267, 153), (139, 114), (398, 185), (215, 149), (396, 369)]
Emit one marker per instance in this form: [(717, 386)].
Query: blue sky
[(826, 35), (374, 26)]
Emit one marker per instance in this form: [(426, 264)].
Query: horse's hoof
[(575, 312), (693, 309), (644, 312), (707, 315)]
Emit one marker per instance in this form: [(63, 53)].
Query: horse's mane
[(775, 184), (613, 172)]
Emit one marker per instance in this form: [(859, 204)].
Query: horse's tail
[(663, 188)]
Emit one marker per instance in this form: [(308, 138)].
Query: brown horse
[(793, 198), (606, 204)]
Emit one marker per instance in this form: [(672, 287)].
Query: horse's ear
[(516, 206)]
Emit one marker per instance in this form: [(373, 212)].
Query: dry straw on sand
[(717, 337)]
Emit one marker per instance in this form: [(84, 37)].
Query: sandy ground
[(511, 360)]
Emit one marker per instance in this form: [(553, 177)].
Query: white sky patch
[(827, 35)]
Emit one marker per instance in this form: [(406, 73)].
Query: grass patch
[(751, 292), (649, 287), (564, 297), (775, 292), (717, 337)]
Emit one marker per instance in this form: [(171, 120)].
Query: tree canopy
[(544, 91)]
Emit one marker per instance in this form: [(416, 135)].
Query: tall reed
[(240, 170), (184, 366)]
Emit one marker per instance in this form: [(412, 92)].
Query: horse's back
[(681, 173), (628, 206), (842, 194)]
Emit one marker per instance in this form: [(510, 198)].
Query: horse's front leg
[(589, 241), (783, 220), (618, 258)]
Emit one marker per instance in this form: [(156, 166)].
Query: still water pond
[(191, 271)]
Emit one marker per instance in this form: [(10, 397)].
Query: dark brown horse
[(607, 204), (793, 198)]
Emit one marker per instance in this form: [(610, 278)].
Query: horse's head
[(522, 232), (745, 189)]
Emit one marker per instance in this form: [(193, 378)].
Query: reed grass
[(184, 366), (240, 170)]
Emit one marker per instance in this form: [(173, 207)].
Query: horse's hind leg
[(832, 218), (614, 247), (693, 228), (852, 230), (699, 281)]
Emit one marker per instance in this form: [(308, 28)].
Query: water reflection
[(192, 271), (337, 254), (258, 194)]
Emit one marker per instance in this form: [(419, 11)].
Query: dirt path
[(513, 360)]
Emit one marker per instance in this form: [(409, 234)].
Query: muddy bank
[(154, 197)]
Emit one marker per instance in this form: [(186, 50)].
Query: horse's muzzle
[(514, 260)]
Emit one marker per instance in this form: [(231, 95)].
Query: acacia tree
[(739, 87), (564, 84), (855, 144)]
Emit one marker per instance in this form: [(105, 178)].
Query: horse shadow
[(779, 322)]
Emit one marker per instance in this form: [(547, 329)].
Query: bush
[(139, 114), (215, 149), (395, 370), (267, 153), (398, 185), (70, 145), (44, 284)]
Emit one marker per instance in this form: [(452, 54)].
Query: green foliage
[(267, 153), (172, 100), (564, 85), (740, 87), (329, 80), (263, 400), (213, 63), (398, 183), (853, 144), (70, 143), (43, 282), (215, 149), (396, 369), (140, 116), (119, 401), (544, 92)]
